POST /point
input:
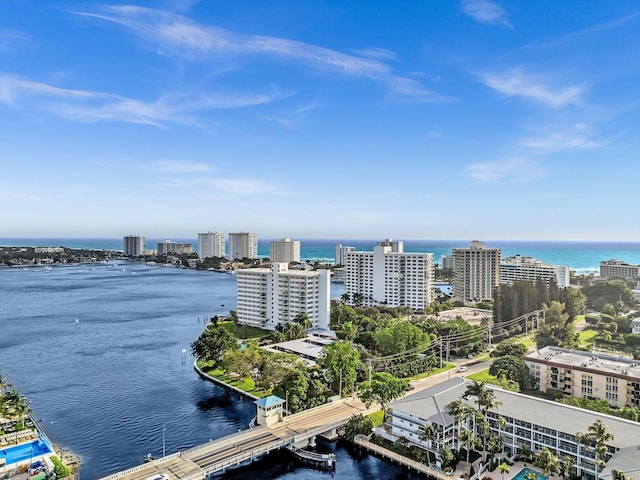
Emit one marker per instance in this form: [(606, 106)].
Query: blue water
[(23, 452), (583, 257), (522, 473), (105, 387)]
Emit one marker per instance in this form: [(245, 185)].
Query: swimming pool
[(26, 451), (522, 474)]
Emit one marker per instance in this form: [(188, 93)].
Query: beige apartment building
[(587, 375)]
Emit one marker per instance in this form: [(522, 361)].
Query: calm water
[(105, 387)]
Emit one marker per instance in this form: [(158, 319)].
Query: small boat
[(148, 458)]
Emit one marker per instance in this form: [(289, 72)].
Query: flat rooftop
[(578, 359), (308, 349)]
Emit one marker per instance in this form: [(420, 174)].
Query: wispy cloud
[(578, 137), (91, 106), (516, 82), (484, 11), (377, 53), (514, 170), (235, 186), (174, 34), (175, 166), (12, 39)]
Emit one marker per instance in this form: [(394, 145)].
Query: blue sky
[(334, 119)]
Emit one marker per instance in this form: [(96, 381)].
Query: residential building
[(166, 248), (530, 269), (530, 424), (446, 262), (211, 244), (618, 269), (184, 248), (285, 250), (476, 272), (341, 250), (635, 325), (48, 249), (243, 245), (270, 296), (133, 246), (389, 276), (586, 375)]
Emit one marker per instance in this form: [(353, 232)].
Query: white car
[(462, 369)]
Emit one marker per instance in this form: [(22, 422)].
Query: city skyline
[(306, 119)]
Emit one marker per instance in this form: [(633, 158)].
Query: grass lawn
[(244, 384), (447, 366), (482, 376), (377, 418), (244, 331), (578, 318), (587, 336)]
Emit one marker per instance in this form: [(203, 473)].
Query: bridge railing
[(219, 440), (249, 454), (143, 466)]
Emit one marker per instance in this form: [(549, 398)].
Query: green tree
[(429, 435), (347, 331), (504, 349), (399, 337), (566, 467), (341, 361), (504, 468), (383, 388), (512, 368), (547, 461), (357, 425), (212, 344), (596, 438)]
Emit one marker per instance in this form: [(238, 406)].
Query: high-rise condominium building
[(285, 250), (167, 247), (389, 276), (133, 246), (243, 245), (211, 244), (270, 296), (341, 250), (475, 272), (530, 269), (617, 269)]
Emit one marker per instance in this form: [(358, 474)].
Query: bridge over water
[(215, 456)]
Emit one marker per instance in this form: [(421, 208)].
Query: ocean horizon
[(580, 256)]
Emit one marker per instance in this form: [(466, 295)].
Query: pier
[(298, 430)]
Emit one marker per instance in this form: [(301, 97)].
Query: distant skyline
[(466, 119)]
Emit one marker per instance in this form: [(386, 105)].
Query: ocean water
[(582, 257)]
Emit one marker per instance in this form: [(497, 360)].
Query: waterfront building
[(211, 244), (389, 276), (446, 262), (285, 250), (166, 248), (243, 245), (476, 272), (513, 269), (341, 251), (48, 249), (133, 246), (184, 248), (268, 297), (530, 424), (580, 374), (618, 269)]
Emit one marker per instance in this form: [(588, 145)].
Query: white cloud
[(176, 34), (236, 186), (90, 106), (484, 11), (554, 142), (516, 82), (173, 166), (12, 39), (515, 170), (377, 53)]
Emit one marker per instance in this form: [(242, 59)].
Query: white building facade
[(270, 296), (243, 245), (476, 272), (389, 276), (341, 251), (285, 250), (530, 269), (618, 269), (211, 244), (167, 247), (133, 246)]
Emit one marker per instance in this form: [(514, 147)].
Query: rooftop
[(586, 360)]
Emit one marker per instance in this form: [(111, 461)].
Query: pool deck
[(513, 471)]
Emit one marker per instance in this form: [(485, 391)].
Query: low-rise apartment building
[(517, 268), (530, 424), (586, 375), (618, 269)]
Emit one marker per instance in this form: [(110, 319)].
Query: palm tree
[(504, 468), (485, 399), (566, 468), (547, 461), (598, 434), (468, 440), (460, 412), (428, 433), (345, 297)]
